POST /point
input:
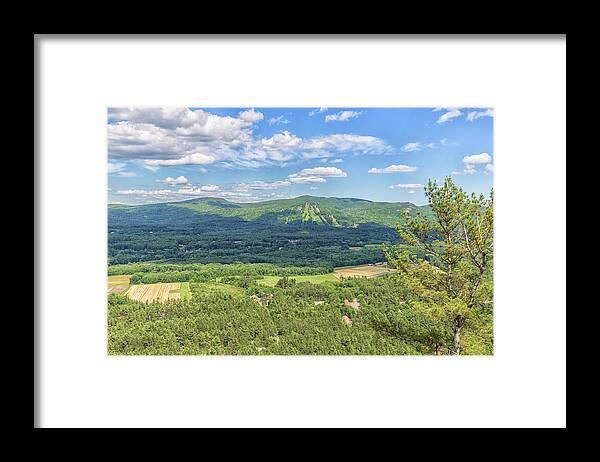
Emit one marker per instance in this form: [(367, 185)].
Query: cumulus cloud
[(482, 158), (471, 116), (406, 186), (281, 140), (317, 111), (489, 168), (174, 181), (342, 116), (191, 159), (394, 169), (162, 117), (316, 175), (471, 161), (449, 115), (251, 115), (163, 137)]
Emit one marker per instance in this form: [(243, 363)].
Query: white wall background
[(524, 384)]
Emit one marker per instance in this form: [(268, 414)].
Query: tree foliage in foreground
[(457, 280), (299, 319)]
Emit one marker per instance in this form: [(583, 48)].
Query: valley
[(306, 230), (302, 276)]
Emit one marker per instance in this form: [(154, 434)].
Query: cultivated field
[(367, 271), (315, 279), (118, 284), (155, 293)]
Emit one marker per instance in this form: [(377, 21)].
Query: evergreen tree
[(458, 245)]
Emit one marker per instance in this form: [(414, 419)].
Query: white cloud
[(306, 179), (393, 169), (482, 158), (322, 171), (278, 120), (406, 186), (316, 175), (281, 140), (410, 147), (201, 170), (199, 190), (473, 160), (174, 181), (162, 117), (251, 115), (235, 194), (489, 168), (356, 144), (431, 145), (342, 116), (145, 192), (451, 114), (262, 185), (317, 111), (471, 116), (336, 161), (191, 159), (166, 137)]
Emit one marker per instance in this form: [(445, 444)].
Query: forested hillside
[(306, 230)]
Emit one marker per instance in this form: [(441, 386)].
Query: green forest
[(264, 278)]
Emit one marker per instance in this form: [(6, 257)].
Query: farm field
[(368, 271), (313, 278), (158, 293), (118, 284)]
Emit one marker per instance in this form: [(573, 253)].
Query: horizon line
[(266, 200)]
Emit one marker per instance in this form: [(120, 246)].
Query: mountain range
[(327, 211)]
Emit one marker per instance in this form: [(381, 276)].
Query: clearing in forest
[(366, 271), (156, 293)]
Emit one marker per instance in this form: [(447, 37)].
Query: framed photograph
[(229, 221)]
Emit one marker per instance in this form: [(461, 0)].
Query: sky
[(254, 154)]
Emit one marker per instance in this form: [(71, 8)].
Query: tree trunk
[(457, 325)]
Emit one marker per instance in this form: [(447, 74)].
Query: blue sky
[(254, 154)]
